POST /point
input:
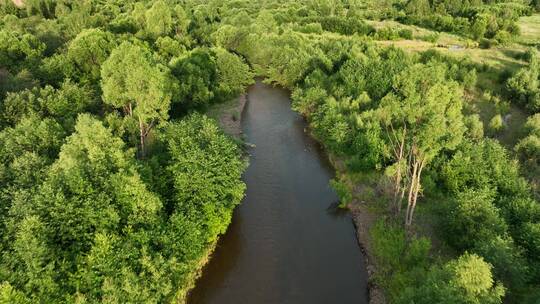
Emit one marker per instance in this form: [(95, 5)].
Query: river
[(287, 242)]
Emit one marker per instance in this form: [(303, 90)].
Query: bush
[(467, 279), (344, 26), (472, 217), (487, 43), (475, 127), (406, 34), (529, 146), (310, 28), (342, 191), (496, 124), (402, 262), (503, 37), (387, 33), (483, 165), (507, 259), (433, 38), (530, 55), (532, 125), (523, 86)]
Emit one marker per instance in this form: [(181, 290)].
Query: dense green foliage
[(113, 190), (524, 85), (85, 88), (494, 20), (383, 109), (529, 146)]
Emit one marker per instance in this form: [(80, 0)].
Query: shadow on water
[(288, 241)]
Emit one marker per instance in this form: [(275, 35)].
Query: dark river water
[(287, 243)]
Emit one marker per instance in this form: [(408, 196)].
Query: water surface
[(286, 243)]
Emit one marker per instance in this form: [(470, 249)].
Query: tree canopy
[(114, 185)]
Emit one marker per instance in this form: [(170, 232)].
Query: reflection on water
[(288, 242)]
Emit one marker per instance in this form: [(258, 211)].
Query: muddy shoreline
[(363, 220), (230, 117), (230, 120)]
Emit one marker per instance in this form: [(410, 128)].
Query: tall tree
[(133, 80), (158, 20), (422, 116), (89, 50)]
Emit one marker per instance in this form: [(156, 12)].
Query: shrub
[(496, 124), (433, 38), (406, 34), (475, 127), (503, 37), (314, 28), (472, 217), (401, 261), (467, 279), (487, 43), (342, 191), (529, 146), (507, 259)]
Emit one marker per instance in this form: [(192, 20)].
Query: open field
[(530, 30)]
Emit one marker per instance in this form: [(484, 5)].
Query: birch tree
[(422, 116)]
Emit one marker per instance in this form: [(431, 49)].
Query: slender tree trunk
[(399, 175), (401, 196), (397, 188), (416, 190), (142, 137), (408, 175), (411, 193), (128, 110)]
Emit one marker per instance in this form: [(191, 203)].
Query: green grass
[(503, 59), (530, 30), (487, 106), (419, 32), (499, 60)]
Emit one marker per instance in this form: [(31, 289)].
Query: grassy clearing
[(504, 57), (216, 110), (420, 32), (499, 60), (487, 106), (530, 30)]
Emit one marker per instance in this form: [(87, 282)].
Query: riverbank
[(363, 219), (302, 250), (229, 117), (182, 296)]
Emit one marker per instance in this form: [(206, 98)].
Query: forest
[(115, 185)]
